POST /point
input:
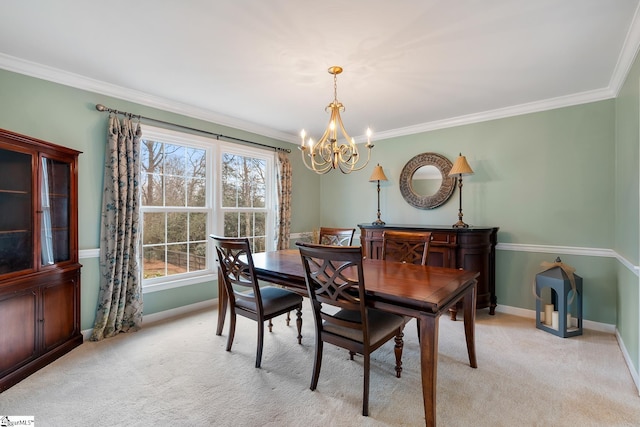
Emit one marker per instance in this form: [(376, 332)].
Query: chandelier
[(327, 154)]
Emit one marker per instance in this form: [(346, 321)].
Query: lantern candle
[(548, 309), (554, 320)]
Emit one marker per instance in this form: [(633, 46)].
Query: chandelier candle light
[(378, 175), (460, 167), (326, 154)]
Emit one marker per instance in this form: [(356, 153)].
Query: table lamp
[(378, 175), (460, 167)]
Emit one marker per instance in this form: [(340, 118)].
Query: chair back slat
[(236, 264), (336, 236), (411, 247), (335, 278)]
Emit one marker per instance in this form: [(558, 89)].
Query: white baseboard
[(167, 314), (627, 359), (179, 311), (516, 311), (531, 314)]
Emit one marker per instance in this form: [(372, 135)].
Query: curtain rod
[(101, 107)]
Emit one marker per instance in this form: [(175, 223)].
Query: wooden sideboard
[(471, 249)]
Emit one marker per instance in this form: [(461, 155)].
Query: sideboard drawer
[(443, 238)]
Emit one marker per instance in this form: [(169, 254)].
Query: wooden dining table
[(422, 292)]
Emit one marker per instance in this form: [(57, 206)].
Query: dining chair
[(406, 246), (336, 287), (246, 297), (336, 236)]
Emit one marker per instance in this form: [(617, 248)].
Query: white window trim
[(178, 283), (270, 203), (214, 148)]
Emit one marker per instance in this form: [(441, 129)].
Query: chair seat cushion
[(273, 300), (381, 324)]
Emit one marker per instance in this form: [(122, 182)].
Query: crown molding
[(55, 75), (501, 113), (44, 72), (627, 54)]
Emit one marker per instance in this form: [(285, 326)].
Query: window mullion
[(186, 191)]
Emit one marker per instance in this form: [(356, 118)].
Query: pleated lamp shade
[(378, 174), (461, 167)]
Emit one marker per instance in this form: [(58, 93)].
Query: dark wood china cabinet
[(39, 269)]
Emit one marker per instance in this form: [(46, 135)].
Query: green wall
[(565, 178), (627, 206), (67, 116), (515, 273), (544, 179)]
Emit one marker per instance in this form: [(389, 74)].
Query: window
[(193, 187), (244, 198)]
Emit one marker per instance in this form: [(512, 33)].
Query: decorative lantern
[(562, 316)]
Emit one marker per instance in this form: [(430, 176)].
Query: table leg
[(429, 365), (469, 303), (222, 303)]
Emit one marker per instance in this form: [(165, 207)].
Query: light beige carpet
[(177, 372)]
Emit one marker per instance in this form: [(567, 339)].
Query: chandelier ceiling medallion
[(327, 154)]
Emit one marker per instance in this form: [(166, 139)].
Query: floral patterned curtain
[(283, 224), (120, 295)]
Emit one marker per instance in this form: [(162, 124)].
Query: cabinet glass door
[(55, 205), (16, 220)]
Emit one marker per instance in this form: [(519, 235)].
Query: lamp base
[(460, 224), (378, 222)]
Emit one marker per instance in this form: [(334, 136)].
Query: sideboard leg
[(494, 304)]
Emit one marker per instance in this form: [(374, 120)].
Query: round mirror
[(425, 181)]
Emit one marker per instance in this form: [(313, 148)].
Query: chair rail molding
[(89, 253), (515, 247), (570, 250)]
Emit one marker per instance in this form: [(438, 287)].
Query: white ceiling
[(409, 65)]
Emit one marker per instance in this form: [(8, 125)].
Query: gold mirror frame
[(447, 186)]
